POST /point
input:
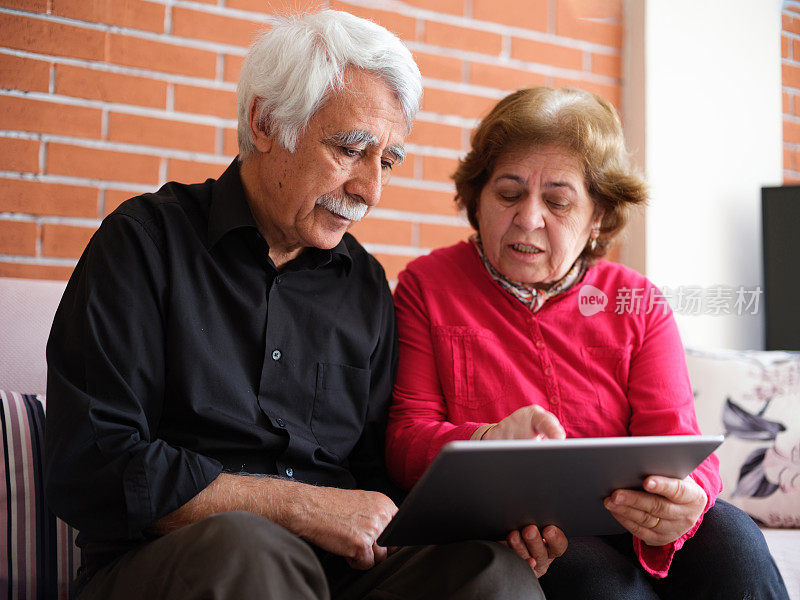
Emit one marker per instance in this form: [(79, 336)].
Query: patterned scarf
[(531, 297)]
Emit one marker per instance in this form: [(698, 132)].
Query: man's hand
[(524, 423), (538, 550), (661, 514), (347, 523)]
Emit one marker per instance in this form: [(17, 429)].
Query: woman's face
[(535, 215)]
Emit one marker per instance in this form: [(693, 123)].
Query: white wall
[(703, 115)]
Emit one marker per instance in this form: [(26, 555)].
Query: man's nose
[(366, 182), (530, 213)]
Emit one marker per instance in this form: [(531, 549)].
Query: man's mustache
[(344, 206)]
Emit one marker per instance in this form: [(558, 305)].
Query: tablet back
[(483, 490)]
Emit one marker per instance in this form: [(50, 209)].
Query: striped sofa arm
[(38, 556)]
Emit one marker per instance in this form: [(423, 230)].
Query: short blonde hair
[(579, 121)]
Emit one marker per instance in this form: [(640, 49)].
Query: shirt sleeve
[(367, 462), (107, 472), (418, 425), (662, 403)]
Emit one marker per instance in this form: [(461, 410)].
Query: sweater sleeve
[(662, 403), (418, 425)]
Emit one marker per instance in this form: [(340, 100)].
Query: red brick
[(454, 103), (230, 142), (531, 14), (791, 132), (790, 75), (612, 93), (65, 241), (27, 5), (110, 87), (107, 165), (164, 133), (439, 67), (437, 168), (382, 231), (19, 155), (158, 56), (393, 264), (796, 104), (450, 36), (34, 271), (18, 237), (135, 14), (216, 28), (796, 48), (435, 134), (205, 101), (419, 201), (787, 103), (275, 6), (607, 64), (436, 236), (546, 54), (193, 171), (24, 74), (113, 198), (54, 199), (406, 168), (402, 26), (790, 159), (504, 78), (23, 114), (47, 37), (589, 21), (789, 179), (454, 7), (786, 47), (790, 24), (232, 65)]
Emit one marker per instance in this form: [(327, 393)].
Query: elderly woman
[(494, 345)]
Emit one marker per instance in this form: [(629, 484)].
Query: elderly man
[(221, 363)]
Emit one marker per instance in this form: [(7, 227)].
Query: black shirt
[(179, 351)]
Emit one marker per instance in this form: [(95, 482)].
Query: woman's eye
[(557, 204)]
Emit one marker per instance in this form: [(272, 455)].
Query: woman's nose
[(530, 213)]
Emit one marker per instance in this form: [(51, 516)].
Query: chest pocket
[(340, 407), (472, 368), (607, 369)]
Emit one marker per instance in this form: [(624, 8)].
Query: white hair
[(294, 67)]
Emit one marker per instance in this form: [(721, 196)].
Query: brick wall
[(790, 67), (104, 99)]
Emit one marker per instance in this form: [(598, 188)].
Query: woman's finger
[(537, 549), (556, 541), (516, 543)]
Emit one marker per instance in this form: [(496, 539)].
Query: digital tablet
[(485, 489)]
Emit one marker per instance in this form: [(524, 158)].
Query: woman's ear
[(263, 141)]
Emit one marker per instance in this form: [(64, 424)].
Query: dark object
[(483, 490), (780, 209)]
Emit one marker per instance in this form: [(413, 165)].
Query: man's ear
[(262, 140)]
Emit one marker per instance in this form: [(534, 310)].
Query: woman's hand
[(661, 514), (535, 549), (524, 423)]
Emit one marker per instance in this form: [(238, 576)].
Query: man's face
[(340, 166)]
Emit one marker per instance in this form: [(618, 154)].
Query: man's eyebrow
[(360, 138)]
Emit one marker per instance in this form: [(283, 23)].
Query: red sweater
[(471, 354)]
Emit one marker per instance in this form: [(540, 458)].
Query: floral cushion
[(38, 556), (754, 399)]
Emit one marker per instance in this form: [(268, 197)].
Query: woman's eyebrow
[(560, 184)]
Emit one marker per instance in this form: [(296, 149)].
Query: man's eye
[(387, 164), (351, 152)]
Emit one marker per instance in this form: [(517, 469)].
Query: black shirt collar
[(230, 210)]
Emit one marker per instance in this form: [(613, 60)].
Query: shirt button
[(539, 344), (280, 422), (276, 355), (548, 371), (289, 472), (554, 400)]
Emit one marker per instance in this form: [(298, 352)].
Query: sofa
[(752, 397)]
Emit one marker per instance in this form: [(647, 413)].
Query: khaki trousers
[(240, 556)]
